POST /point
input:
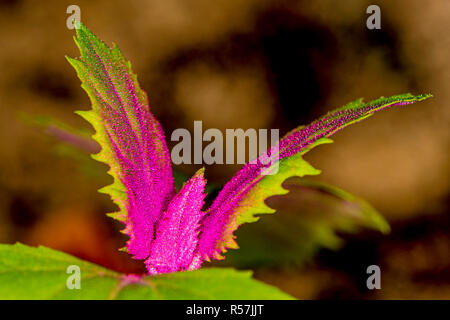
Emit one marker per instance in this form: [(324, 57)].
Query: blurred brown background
[(244, 64)]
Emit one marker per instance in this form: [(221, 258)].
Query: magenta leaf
[(177, 234)]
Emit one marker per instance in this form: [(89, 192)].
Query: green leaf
[(207, 283), (41, 273)]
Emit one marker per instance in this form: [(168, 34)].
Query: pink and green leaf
[(131, 139), (244, 195)]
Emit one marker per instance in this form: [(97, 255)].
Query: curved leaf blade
[(243, 196), (131, 139)]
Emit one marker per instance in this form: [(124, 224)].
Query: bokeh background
[(243, 64)]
